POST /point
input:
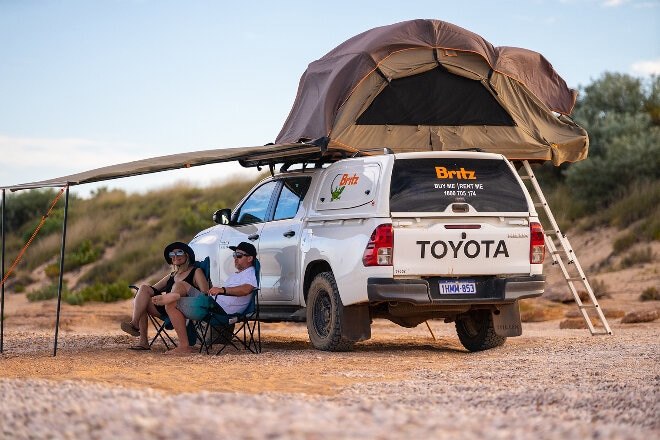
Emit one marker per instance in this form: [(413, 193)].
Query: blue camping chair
[(240, 330), (162, 323)]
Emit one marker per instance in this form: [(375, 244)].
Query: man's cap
[(245, 247)]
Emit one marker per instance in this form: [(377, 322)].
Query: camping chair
[(240, 330), (162, 323)]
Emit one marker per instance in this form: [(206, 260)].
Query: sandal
[(139, 348), (128, 328)]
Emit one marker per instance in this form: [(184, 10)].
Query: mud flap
[(356, 322), (506, 320)]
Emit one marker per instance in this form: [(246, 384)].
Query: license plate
[(457, 287)]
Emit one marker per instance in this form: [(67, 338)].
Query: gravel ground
[(546, 384)]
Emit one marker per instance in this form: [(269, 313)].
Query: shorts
[(195, 305)]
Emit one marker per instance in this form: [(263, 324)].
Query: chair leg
[(160, 333)]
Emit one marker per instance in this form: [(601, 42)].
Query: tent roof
[(338, 88)]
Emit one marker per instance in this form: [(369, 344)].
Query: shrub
[(624, 242), (637, 257), (46, 293), (599, 288), (100, 292), (85, 253), (650, 294)]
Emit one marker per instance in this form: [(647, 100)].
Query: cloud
[(24, 159), (66, 153), (614, 3), (647, 67), (30, 159)]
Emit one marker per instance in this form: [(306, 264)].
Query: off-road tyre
[(476, 331), (324, 315)]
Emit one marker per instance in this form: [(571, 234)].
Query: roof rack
[(384, 150)]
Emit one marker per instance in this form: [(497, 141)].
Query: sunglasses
[(239, 255), (177, 254)]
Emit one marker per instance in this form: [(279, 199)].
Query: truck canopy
[(425, 85)]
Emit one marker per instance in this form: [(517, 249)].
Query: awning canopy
[(246, 156)]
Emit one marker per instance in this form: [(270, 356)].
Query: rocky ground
[(549, 383), (556, 381)]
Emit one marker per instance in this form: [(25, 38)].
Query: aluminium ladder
[(563, 255)]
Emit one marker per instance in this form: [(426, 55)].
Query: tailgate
[(478, 245)]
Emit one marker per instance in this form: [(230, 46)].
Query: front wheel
[(476, 331), (324, 315)]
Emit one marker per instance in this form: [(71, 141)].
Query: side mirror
[(222, 216)]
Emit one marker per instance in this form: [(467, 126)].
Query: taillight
[(536, 244), (379, 249)]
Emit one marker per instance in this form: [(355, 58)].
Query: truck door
[(247, 222), (278, 249)]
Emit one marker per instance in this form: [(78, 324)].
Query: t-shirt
[(236, 304)]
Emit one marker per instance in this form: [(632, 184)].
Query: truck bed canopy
[(429, 85)]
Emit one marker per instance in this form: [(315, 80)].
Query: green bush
[(637, 257), (624, 242), (46, 293), (650, 294), (85, 253), (100, 292)]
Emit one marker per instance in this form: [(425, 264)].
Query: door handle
[(253, 237), (289, 234)]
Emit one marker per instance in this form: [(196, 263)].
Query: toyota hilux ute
[(407, 237)]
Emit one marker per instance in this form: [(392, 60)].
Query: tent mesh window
[(438, 98)]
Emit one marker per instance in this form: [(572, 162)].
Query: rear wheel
[(324, 315), (476, 331)]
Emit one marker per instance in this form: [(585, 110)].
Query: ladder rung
[(576, 279), (558, 251), (588, 306), (550, 232), (525, 177)]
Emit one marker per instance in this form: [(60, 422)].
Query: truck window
[(292, 194), (255, 208), (432, 184)]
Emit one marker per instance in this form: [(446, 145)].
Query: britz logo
[(471, 248), (346, 180), (444, 173)]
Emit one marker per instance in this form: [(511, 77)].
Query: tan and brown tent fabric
[(429, 85)]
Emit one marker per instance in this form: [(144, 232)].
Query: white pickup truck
[(407, 237)]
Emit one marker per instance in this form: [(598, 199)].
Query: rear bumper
[(489, 290)]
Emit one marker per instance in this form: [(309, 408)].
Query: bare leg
[(142, 304), (179, 323), (177, 318)]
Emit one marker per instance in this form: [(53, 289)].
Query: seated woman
[(233, 297), (184, 280)]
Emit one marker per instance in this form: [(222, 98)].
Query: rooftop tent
[(429, 85)]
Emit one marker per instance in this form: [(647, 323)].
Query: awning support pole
[(2, 306), (59, 288)]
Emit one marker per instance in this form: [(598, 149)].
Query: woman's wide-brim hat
[(178, 245)]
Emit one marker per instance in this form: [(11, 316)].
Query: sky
[(90, 83)]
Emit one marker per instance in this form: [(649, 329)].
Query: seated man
[(233, 297)]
